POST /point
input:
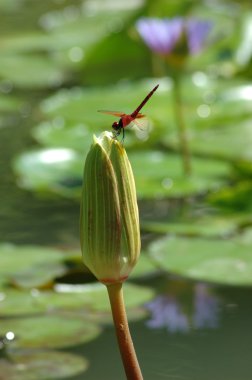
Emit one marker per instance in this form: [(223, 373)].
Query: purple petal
[(160, 35), (197, 33)]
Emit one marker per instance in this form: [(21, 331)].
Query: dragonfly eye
[(115, 126)]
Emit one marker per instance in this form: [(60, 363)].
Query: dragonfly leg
[(115, 134)]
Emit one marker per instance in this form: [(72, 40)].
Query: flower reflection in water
[(167, 311), (206, 308)]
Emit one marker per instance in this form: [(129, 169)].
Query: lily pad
[(57, 134), (236, 197), (38, 275), (28, 71), (226, 262), (160, 175), (144, 267), (50, 331), (230, 142), (207, 225), (57, 170), (95, 297), (60, 171), (41, 365), (221, 128), (17, 303), (17, 258), (134, 295), (68, 298), (30, 266)]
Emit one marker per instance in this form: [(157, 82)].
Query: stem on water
[(182, 133), (127, 350)]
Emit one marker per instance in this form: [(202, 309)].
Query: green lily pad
[(30, 266), (57, 134), (72, 298), (202, 226), (56, 170), (38, 275), (144, 267), (50, 331), (50, 365), (237, 197), (60, 171), (95, 297), (31, 71), (68, 28), (160, 175), (223, 127), (232, 142), (226, 262), (134, 295), (17, 258), (17, 303)]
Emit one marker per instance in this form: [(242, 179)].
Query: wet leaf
[(197, 226), (31, 71), (70, 298), (220, 261), (236, 197), (55, 170), (143, 268), (95, 297), (32, 365), (133, 295), (57, 134), (59, 171), (161, 174), (38, 275), (50, 331), (17, 258)]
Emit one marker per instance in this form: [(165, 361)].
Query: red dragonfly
[(126, 119)]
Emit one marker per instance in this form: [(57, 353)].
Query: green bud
[(109, 223)]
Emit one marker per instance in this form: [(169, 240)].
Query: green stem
[(128, 354), (183, 140)]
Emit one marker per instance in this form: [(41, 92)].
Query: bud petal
[(110, 237)]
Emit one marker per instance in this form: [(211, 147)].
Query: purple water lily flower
[(165, 35)]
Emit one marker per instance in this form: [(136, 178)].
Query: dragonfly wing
[(140, 116), (114, 113), (141, 122)]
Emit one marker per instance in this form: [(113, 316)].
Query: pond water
[(186, 329)]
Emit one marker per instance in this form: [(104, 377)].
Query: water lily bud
[(109, 225)]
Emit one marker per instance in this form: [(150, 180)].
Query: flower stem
[(127, 350), (183, 140)]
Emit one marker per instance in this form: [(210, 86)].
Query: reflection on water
[(168, 311), (206, 308)]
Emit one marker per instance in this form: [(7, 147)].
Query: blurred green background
[(189, 298)]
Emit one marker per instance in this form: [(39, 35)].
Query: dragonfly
[(129, 119)]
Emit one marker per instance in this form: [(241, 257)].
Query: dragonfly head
[(116, 126)]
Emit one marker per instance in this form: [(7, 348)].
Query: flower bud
[(109, 223)]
